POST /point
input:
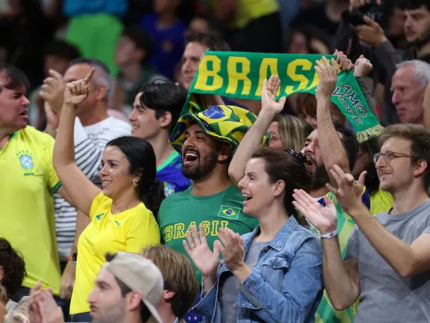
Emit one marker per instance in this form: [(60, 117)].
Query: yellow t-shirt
[(380, 202), (27, 179), (128, 231)]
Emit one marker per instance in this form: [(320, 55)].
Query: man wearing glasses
[(387, 261)]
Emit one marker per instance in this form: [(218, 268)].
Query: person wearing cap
[(127, 289), (156, 109), (206, 141)]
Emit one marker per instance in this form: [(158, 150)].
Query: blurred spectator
[(206, 23), (396, 29), (307, 39), (24, 33), (197, 44), (370, 40), (57, 56), (288, 132), (253, 26), (167, 32), (12, 272), (325, 16), (408, 86), (180, 283), (132, 54), (95, 27), (288, 10)]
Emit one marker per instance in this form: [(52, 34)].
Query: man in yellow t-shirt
[(27, 180)]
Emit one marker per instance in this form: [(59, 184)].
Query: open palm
[(268, 95), (198, 249), (323, 218)]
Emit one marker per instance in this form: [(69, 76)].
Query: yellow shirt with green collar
[(128, 231), (27, 181)]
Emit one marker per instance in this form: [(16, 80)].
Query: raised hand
[(371, 33), (348, 192), (33, 304), (197, 248), (323, 218), (53, 91), (362, 67), (328, 75), (344, 62), (76, 92), (268, 96), (231, 246)]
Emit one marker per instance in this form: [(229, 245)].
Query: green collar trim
[(172, 156)]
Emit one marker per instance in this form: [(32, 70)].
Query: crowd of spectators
[(120, 204)]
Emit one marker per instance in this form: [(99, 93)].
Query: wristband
[(328, 235)]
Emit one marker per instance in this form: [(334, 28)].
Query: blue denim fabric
[(285, 286)]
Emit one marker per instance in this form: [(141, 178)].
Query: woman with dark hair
[(12, 273), (273, 274), (122, 214)]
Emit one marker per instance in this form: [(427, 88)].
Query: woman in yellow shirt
[(122, 215)]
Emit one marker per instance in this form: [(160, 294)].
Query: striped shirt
[(90, 142)]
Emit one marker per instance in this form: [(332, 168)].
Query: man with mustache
[(382, 53), (212, 200)]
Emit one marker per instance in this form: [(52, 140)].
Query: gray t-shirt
[(385, 296), (229, 287)]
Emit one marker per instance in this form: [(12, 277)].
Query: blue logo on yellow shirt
[(26, 161), (229, 212)]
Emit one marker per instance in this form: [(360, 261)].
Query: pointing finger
[(89, 75)]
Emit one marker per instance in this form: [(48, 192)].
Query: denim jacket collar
[(280, 239)]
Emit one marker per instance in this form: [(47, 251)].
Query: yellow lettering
[(205, 74), (234, 76), (265, 63), (224, 224), (179, 231), (315, 81), (168, 233), (291, 72), (191, 224), (214, 231), (207, 226)]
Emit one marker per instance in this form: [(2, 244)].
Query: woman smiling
[(122, 215)]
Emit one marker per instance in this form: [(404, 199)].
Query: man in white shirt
[(94, 128)]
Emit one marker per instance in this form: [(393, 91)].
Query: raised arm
[(253, 137), (406, 260), (341, 278), (332, 150), (81, 190)]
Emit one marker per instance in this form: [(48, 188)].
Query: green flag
[(241, 75)]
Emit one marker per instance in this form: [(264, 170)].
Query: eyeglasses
[(389, 156), (299, 156)]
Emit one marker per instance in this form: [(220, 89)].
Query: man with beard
[(370, 40), (207, 141)]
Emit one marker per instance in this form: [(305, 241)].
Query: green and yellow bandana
[(241, 75), (222, 122)]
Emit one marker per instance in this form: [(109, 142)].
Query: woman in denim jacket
[(273, 274)]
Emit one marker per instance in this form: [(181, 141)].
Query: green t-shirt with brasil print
[(181, 210)]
